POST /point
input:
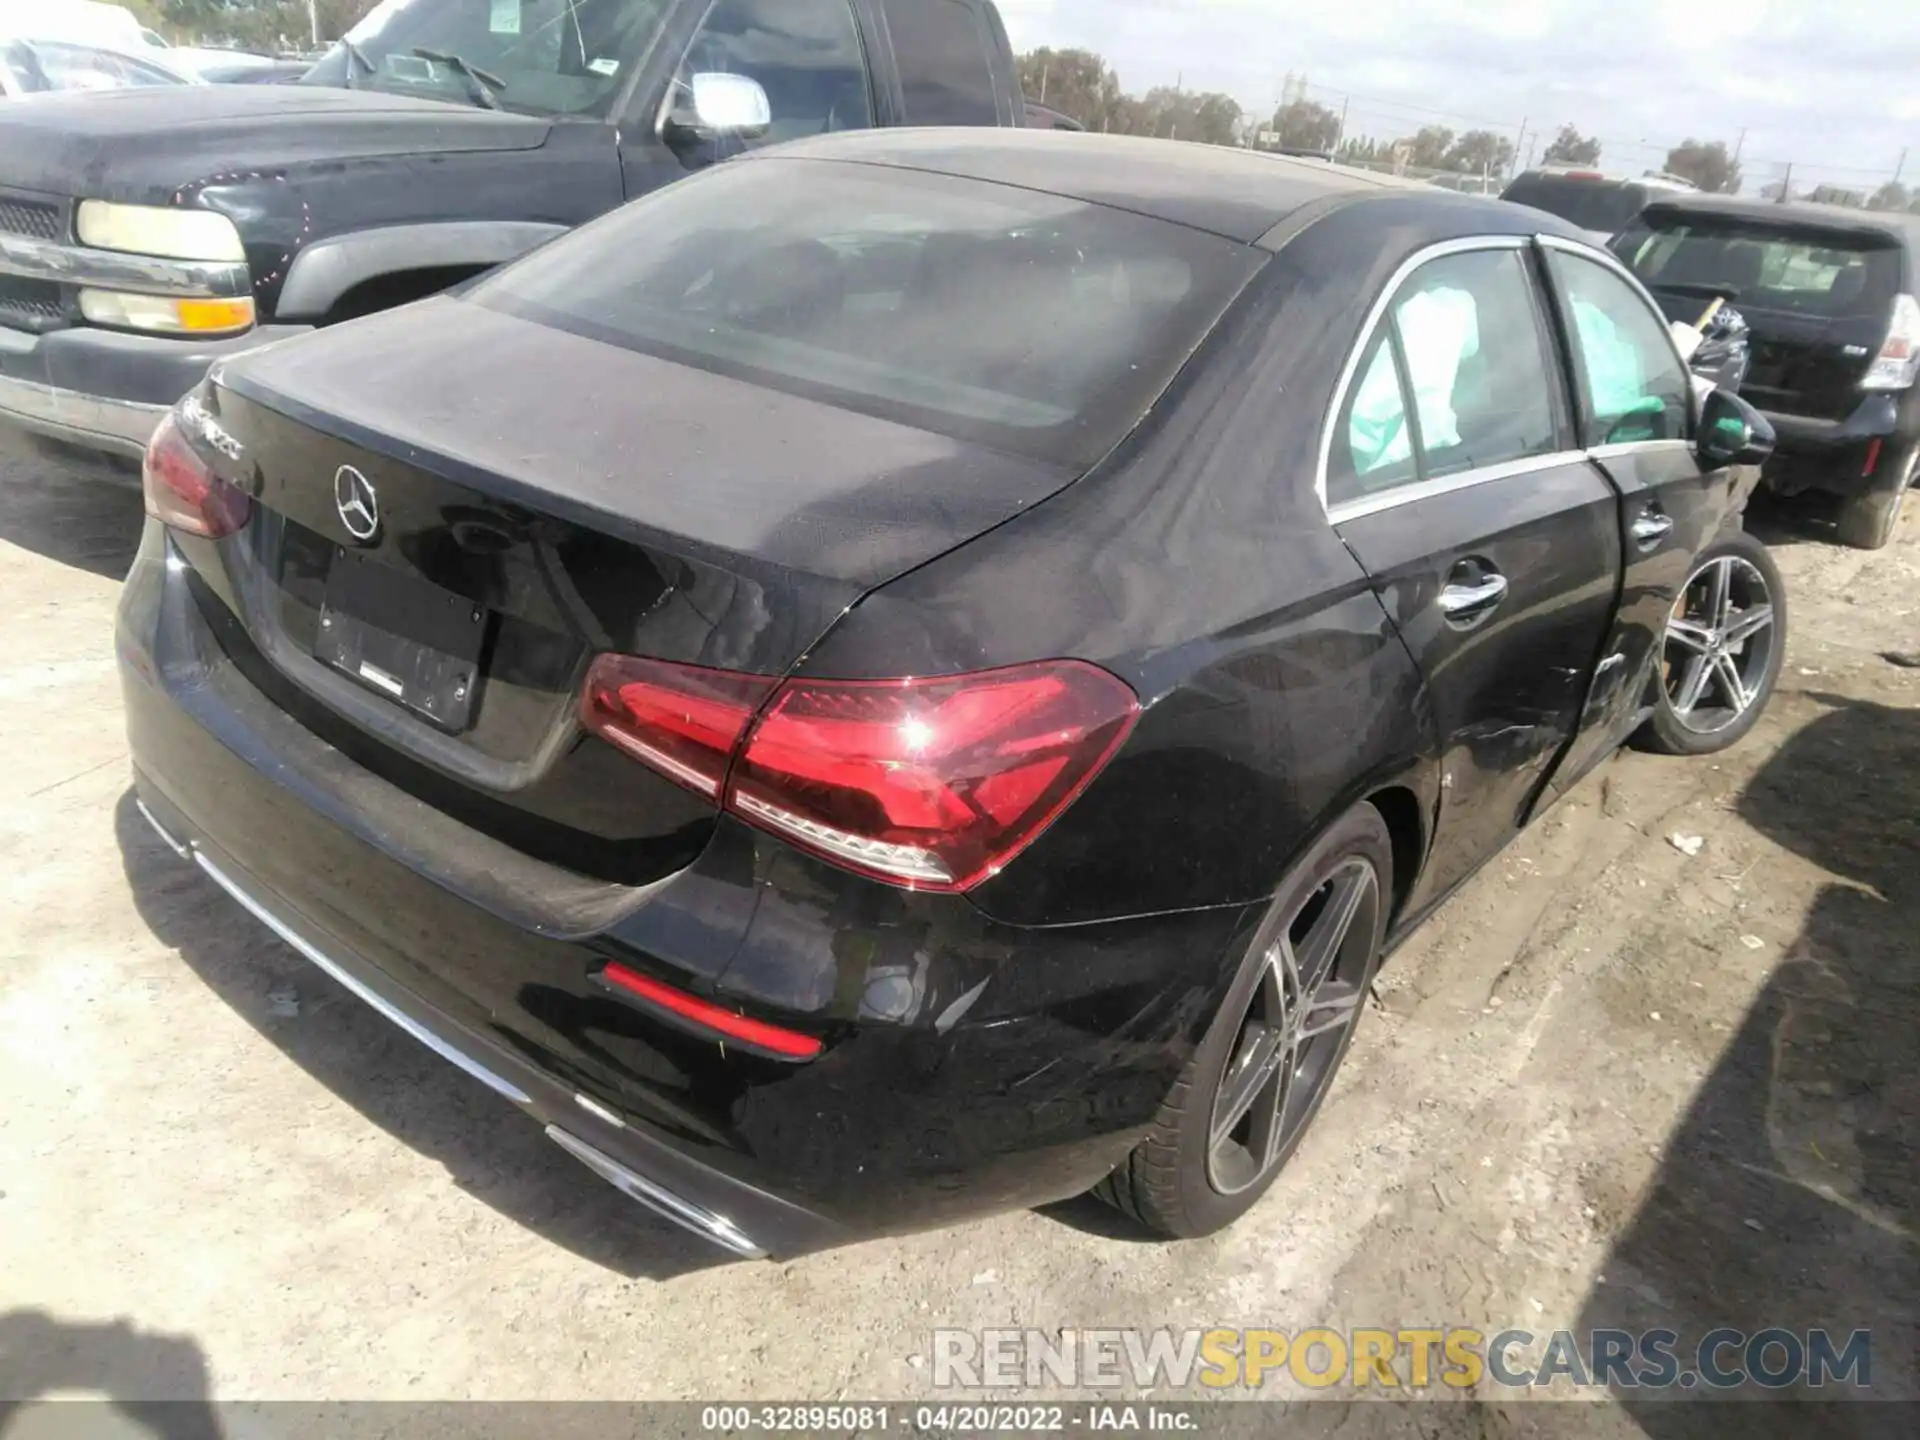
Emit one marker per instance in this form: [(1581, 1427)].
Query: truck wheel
[(1720, 656), (1867, 520), (1270, 1055)]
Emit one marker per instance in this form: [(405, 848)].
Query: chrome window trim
[(65, 264), (1635, 447), (1399, 495), (1460, 245)]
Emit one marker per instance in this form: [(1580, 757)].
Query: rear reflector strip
[(1873, 458), (726, 1024)]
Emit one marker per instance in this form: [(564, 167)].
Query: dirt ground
[(1612, 1084)]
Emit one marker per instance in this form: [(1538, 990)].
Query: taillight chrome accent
[(182, 492), (931, 783), (1898, 363)]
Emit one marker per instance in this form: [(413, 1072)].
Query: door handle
[(1467, 604), (1650, 527)]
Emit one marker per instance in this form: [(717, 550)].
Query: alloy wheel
[(1719, 644), (1312, 981)]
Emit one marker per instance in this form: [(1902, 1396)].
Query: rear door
[(1454, 475), (1634, 399), (951, 62)]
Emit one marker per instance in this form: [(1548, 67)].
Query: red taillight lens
[(753, 1034), (933, 783), (183, 493), (683, 720)]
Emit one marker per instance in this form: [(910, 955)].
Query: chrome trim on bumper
[(717, 1228), (65, 264), (385, 1007), (96, 421), (635, 1186)]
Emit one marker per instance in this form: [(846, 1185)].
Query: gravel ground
[(1612, 1084)]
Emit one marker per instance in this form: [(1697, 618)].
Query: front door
[(807, 55), (1493, 542), (1635, 401)]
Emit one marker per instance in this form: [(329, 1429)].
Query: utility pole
[(1786, 184), (313, 21), (1045, 67), (1901, 168), (1341, 134), (1739, 144), (1520, 141)]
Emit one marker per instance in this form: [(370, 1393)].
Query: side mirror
[(1732, 432), (715, 106)]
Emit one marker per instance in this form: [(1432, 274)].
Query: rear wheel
[(1725, 638), (1867, 520), (1271, 1053)]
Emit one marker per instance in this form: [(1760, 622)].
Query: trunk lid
[(534, 498)]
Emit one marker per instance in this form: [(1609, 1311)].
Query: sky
[(1831, 85)]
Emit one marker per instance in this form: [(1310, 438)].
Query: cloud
[(1824, 86)]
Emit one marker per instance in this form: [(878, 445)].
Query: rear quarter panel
[(1197, 564)]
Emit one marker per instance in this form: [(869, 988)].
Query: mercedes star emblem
[(359, 507)]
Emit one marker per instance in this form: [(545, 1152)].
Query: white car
[(31, 66)]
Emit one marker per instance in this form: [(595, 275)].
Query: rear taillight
[(934, 783), (683, 720), (183, 493), (1898, 362)]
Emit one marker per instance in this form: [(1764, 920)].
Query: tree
[(1074, 82), (1480, 152), (1175, 114), (1429, 149), (1306, 125), (1570, 147), (1708, 166), (1891, 196)]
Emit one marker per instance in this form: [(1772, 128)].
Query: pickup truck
[(147, 233)]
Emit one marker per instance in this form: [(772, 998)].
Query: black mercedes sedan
[(920, 673)]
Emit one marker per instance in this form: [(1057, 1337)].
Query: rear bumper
[(103, 390), (1832, 455), (733, 1215), (970, 1066)]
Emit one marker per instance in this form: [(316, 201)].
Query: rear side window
[(1459, 377), (946, 76), (1035, 323), (1832, 275), (1636, 387)]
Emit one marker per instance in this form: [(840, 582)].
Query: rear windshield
[(1830, 274), (1033, 323), (1603, 205)]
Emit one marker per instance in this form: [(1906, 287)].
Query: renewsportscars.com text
[(1400, 1358)]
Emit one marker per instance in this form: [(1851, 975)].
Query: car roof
[(1241, 194), (1802, 214)]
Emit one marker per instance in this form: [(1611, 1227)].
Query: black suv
[(1829, 295), (146, 233)]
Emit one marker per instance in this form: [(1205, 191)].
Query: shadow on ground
[(69, 507), (491, 1150), (1804, 519), (157, 1382), (1787, 1196)]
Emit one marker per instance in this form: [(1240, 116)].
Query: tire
[(1867, 520), (1175, 1183), (1698, 633)]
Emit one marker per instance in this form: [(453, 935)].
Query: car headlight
[(168, 314), (156, 230)]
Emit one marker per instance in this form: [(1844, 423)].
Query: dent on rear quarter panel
[(1196, 563)]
